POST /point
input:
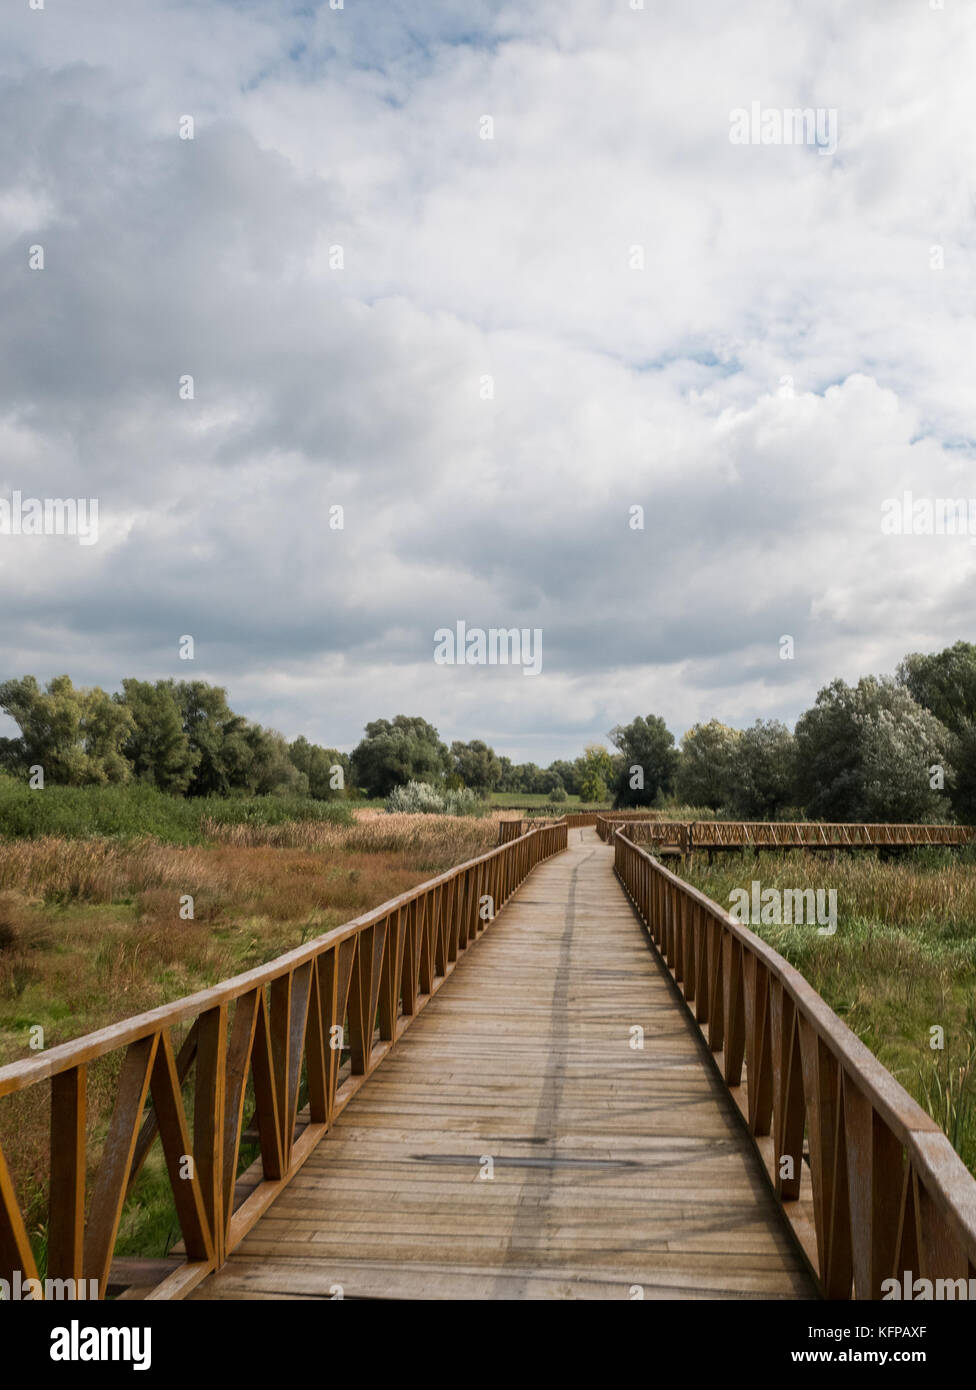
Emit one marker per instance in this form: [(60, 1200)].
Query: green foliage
[(157, 746), (648, 763), (217, 736), (594, 772), (508, 776), (864, 753), (76, 736), (945, 683), (560, 794), (706, 769), (464, 802), (476, 765), (963, 787), (763, 771), (139, 809), (406, 749), (269, 770), (568, 774), (322, 767), (421, 798)]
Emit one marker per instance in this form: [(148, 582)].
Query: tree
[(527, 776), (594, 773), (406, 749), (943, 682), (105, 729), (328, 771), (962, 788), (216, 736), (157, 747), (545, 781), (649, 761), (75, 735), (568, 774), (762, 771), (267, 769), (706, 765), (865, 753), (476, 764), (508, 776)]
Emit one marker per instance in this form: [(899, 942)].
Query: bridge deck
[(613, 1167)]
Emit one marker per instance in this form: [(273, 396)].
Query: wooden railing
[(349, 993), (872, 1186), (606, 821), (512, 829), (509, 830), (688, 836)]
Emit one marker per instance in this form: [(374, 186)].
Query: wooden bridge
[(609, 1089), (687, 837)]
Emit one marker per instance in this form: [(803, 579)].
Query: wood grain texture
[(615, 1169)]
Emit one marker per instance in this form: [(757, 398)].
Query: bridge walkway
[(515, 1145)]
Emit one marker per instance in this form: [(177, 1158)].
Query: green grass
[(516, 801), (136, 809), (902, 961)]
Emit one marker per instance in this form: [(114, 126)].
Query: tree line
[(179, 736), (893, 748)]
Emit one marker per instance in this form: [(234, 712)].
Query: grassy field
[(532, 800), (136, 809), (90, 933), (902, 961)]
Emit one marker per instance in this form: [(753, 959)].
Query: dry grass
[(91, 933), (60, 870), (434, 840)]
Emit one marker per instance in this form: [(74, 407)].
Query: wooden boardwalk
[(616, 1172)]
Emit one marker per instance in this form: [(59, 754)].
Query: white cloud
[(467, 258)]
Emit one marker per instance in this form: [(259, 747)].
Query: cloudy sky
[(606, 304)]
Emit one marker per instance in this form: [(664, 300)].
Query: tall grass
[(91, 933), (901, 963), (137, 809), (431, 842)]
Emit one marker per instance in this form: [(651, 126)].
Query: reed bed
[(901, 965), (444, 840), (91, 933)]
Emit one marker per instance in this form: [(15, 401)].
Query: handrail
[(705, 834), (512, 829), (377, 971), (886, 1194)]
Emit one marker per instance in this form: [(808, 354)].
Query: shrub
[(414, 798), (465, 802), (421, 798)]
